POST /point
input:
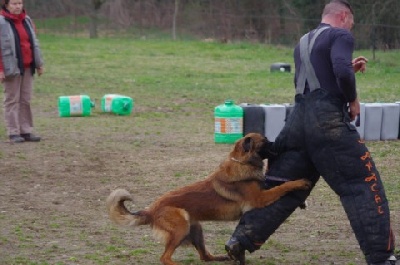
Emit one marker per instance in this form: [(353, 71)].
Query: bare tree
[(96, 4), (271, 21), (176, 9)]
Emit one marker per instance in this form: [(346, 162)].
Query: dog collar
[(237, 160), (275, 178)]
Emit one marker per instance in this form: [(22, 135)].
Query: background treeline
[(265, 21)]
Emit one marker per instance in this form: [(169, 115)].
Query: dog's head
[(252, 149)]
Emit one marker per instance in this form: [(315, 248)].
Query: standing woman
[(20, 58)]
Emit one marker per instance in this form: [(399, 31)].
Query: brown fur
[(226, 194)]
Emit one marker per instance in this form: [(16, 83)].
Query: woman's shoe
[(29, 137), (16, 139)]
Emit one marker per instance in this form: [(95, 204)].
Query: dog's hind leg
[(197, 239), (173, 225)]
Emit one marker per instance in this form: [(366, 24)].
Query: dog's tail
[(118, 212)]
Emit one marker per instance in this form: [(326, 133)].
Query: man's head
[(338, 13)]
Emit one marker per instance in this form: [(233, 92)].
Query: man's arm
[(359, 65), (341, 58)]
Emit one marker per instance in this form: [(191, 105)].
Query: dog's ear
[(247, 144)]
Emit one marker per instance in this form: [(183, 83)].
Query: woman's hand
[(40, 70)]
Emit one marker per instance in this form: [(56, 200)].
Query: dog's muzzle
[(267, 150)]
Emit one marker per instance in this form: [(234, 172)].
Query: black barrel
[(253, 118)]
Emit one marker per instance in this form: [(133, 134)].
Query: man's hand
[(354, 109), (360, 64), (2, 77)]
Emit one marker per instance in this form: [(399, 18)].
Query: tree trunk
[(93, 25), (174, 19), (93, 17)]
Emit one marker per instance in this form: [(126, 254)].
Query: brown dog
[(234, 188)]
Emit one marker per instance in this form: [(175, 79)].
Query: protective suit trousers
[(318, 140)]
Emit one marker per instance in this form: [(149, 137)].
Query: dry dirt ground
[(52, 195)]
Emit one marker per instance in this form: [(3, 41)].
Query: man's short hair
[(345, 3), (335, 5)]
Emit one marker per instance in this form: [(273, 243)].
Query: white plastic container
[(275, 115), (373, 121), (398, 137), (390, 121)]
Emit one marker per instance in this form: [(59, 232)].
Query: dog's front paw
[(304, 184)]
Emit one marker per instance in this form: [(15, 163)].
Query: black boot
[(391, 261), (235, 250)]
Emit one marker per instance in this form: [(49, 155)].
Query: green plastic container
[(118, 104), (228, 122), (78, 105)]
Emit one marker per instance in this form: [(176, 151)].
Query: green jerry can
[(118, 104), (228, 122), (78, 106)]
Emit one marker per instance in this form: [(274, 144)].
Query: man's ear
[(343, 16)]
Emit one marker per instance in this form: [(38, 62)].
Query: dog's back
[(203, 202)]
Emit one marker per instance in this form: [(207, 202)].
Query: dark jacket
[(331, 58)]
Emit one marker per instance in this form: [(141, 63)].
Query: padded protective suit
[(318, 139)]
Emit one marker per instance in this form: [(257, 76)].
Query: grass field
[(52, 193)]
